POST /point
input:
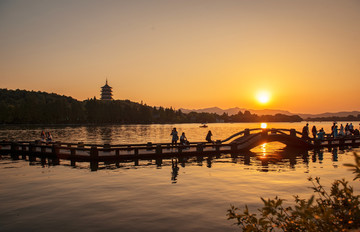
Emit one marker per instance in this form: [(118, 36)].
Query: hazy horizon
[(187, 54)]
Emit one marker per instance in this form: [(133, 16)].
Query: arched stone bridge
[(250, 138)]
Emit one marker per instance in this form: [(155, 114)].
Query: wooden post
[(94, 155), (14, 151), (247, 132), (72, 156), (117, 157), (341, 142), (23, 148), (293, 132), (158, 149), (32, 156), (55, 150), (80, 145), (136, 151), (149, 146), (217, 146), (199, 147), (43, 150), (233, 147), (106, 146)]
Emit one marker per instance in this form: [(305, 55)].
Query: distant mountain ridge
[(330, 114), (235, 110)]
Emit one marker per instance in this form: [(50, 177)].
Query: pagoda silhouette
[(106, 92)]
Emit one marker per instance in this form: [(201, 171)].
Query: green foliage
[(335, 211), (355, 167)]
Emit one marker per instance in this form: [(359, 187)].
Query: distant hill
[(235, 110), (329, 114)]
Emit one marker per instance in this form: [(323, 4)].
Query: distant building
[(106, 92)]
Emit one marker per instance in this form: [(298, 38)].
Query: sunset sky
[(187, 54)]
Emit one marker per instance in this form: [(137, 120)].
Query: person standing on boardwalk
[(314, 131), (175, 136), (335, 131), (351, 128), (347, 129), (341, 130), (305, 131), (208, 137)]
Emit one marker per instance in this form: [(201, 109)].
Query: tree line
[(30, 107)]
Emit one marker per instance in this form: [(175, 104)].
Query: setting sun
[(263, 97)]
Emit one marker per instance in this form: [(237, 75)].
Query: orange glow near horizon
[(177, 54)]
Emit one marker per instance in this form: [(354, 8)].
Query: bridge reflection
[(262, 160)]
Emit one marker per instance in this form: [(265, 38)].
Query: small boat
[(203, 125)]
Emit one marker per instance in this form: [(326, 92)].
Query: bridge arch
[(247, 139)]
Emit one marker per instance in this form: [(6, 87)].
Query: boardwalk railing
[(239, 142)]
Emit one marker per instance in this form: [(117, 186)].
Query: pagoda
[(106, 92)]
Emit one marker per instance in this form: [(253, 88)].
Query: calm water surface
[(193, 195)]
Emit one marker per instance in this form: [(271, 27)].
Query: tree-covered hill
[(21, 106)]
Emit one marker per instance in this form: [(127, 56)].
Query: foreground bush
[(335, 211)]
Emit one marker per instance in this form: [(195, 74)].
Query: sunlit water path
[(190, 196)]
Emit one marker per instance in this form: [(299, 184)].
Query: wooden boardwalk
[(94, 153)]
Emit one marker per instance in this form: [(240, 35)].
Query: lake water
[(192, 195)]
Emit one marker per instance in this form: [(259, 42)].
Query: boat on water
[(203, 125)]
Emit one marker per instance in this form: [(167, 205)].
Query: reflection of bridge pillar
[(305, 157), (292, 161), (335, 154), (247, 160), (199, 160), (209, 159), (158, 162)]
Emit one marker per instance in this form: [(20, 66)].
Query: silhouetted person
[(351, 128), (183, 139), (333, 129), (314, 131), (175, 136), (42, 136), (347, 132), (305, 131), (48, 137), (335, 132), (341, 130), (208, 137), (321, 134)]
